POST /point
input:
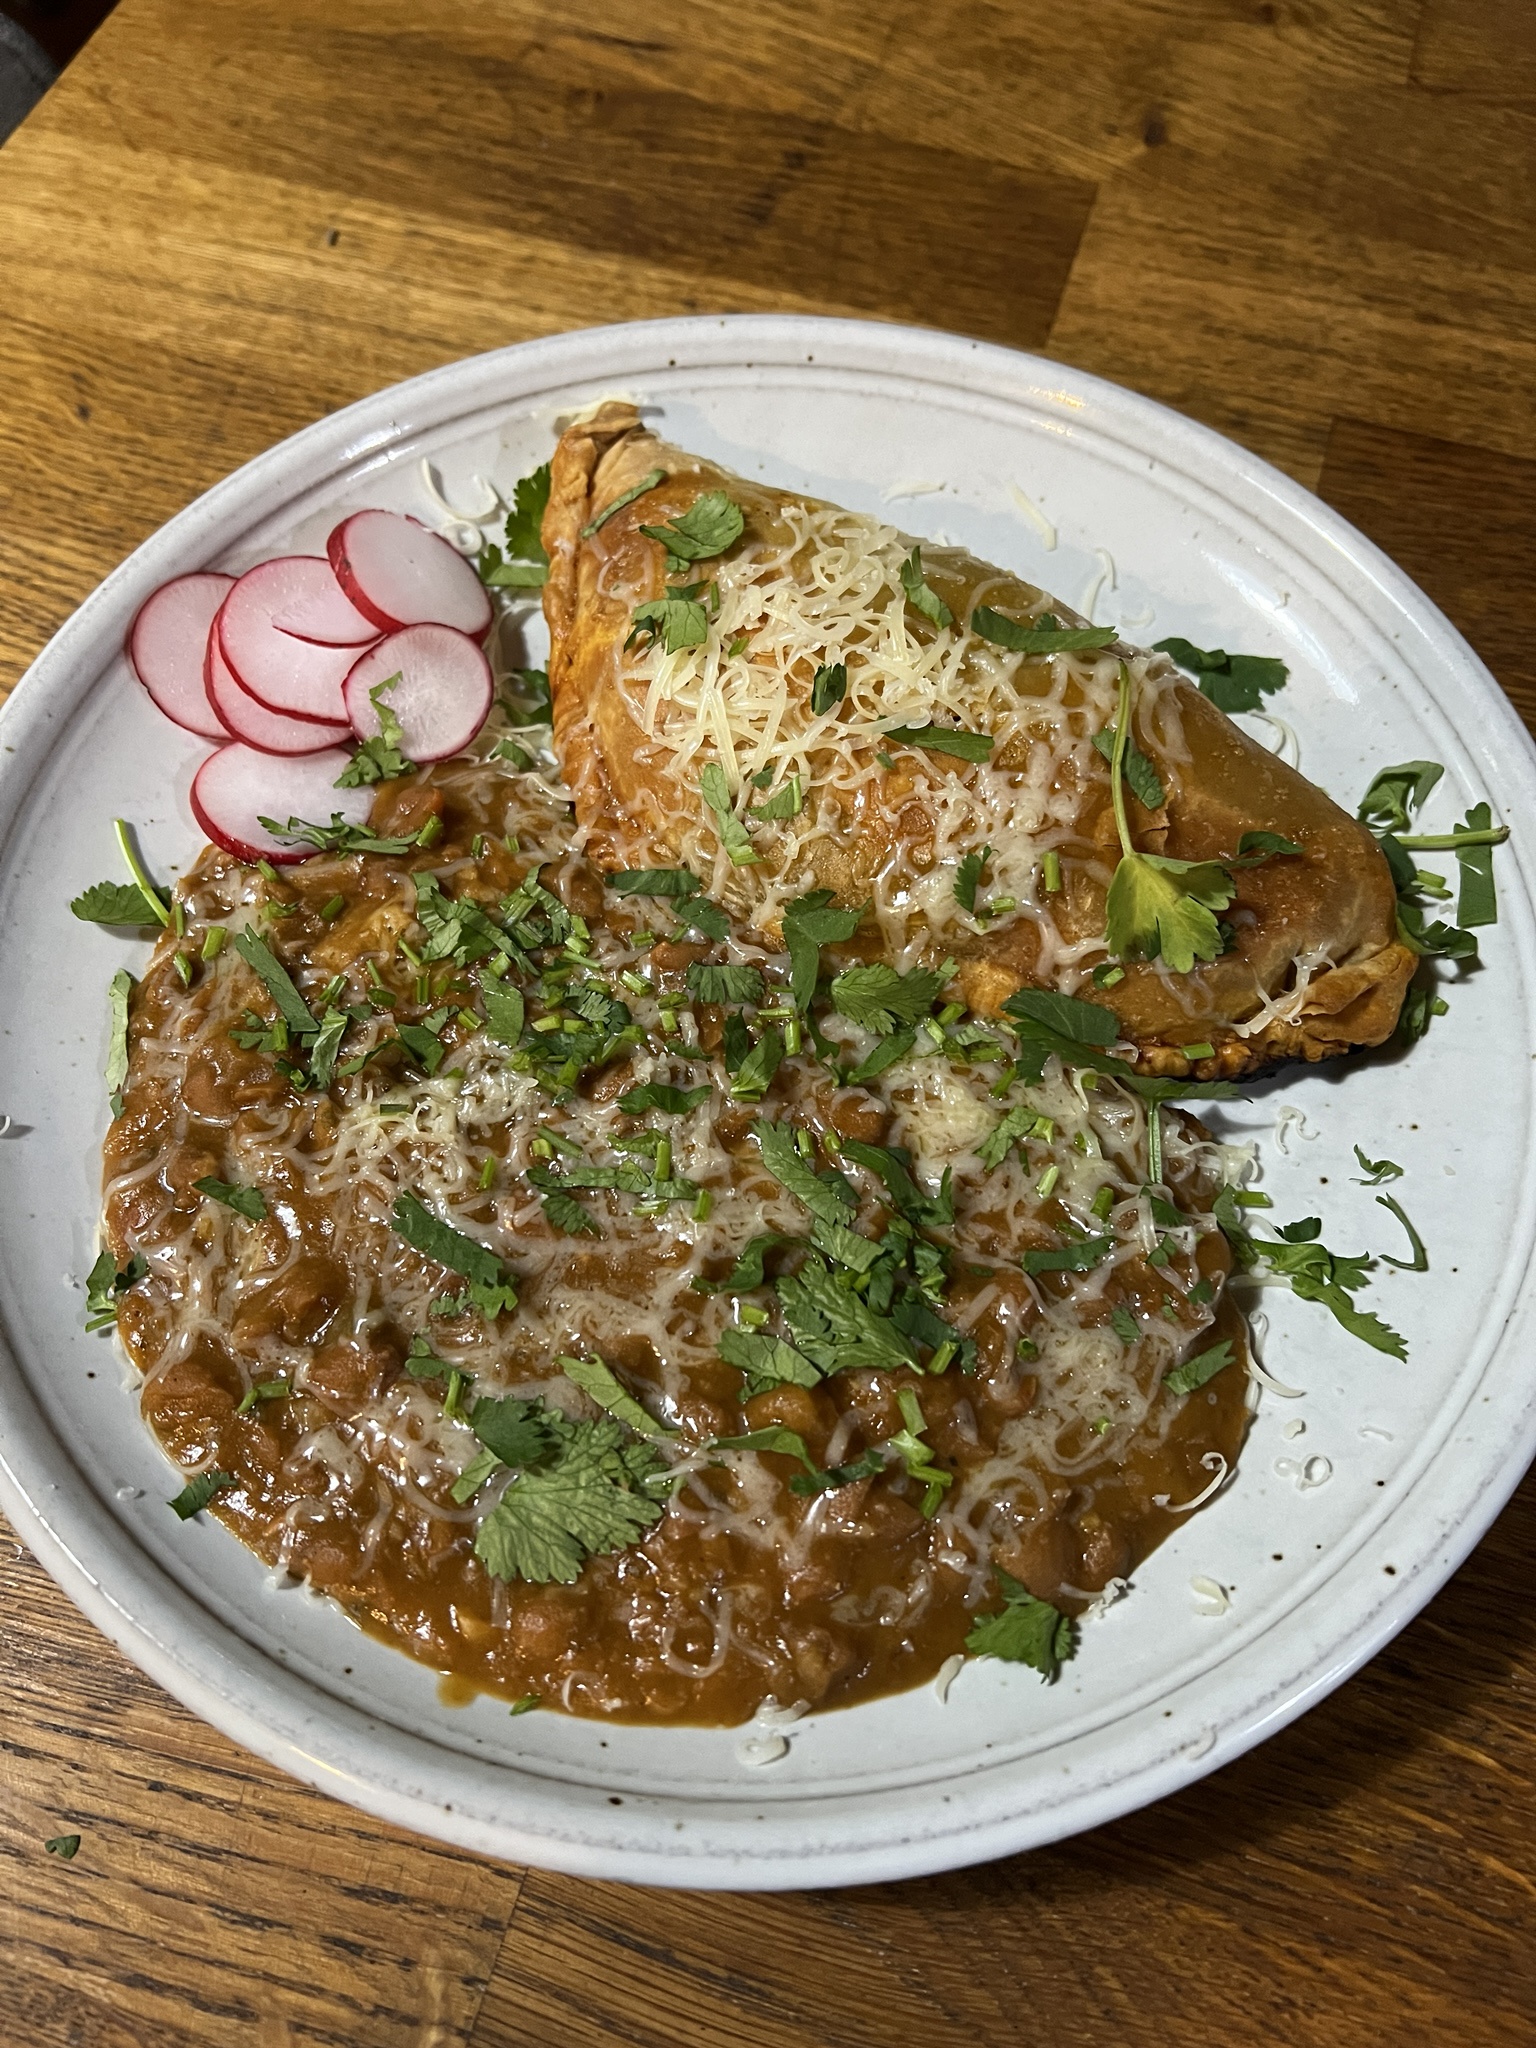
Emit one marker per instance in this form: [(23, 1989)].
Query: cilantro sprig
[(490, 1289), (712, 523), (380, 758), (1027, 1631), (525, 563), (1233, 682)]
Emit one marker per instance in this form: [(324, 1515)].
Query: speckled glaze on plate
[(1328, 1540)]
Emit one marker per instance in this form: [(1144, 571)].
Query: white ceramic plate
[(1202, 540)]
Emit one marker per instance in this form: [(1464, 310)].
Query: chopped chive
[(265, 867), (488, 1172), (333, 908), (1202, 1051), (1051, 880), (1108, 976), (213, 941), (1002, 904), (510, 843), (431, 832), (179, 919), (703, 1206), (885, 761), (183, 967), (1103, 1202), (546, 1023), (1047, 1180)]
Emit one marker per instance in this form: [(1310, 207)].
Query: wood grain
[(1310, 223)]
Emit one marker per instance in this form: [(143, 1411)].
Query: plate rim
[(74, 1527)]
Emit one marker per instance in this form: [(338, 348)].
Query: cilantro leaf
[(115, 903), (516, 1432), (264, 963), (1377, 1170), (244, 1201), (712, 523), (379, 758), (782, 1442), (197, 1493), (104, 1283), (836, 1328), (585, 1499), (678, 620), (1138, 771), (597, 1379), (880, 999), (1419, 1263), (1001, 1139), (747, 1273), (1233, 682), (1080, 1257), (716, 792), (337, 837), (767, 1361), (524, 537), (810, 923), (530, 703), (1316, 1274), (1194, 1372), (647, 483), (1027, 1631), (892, 1166), (829, 1198), (698, 913), (787, 803), (886, 1052), (65, 1847), (119, 989), (920, 595), (943, 739), (1397, 792), (1041, 636), (490, 1287), (660, 1095), (562, 1209), (505, 1011), (1477, 903), (653, 882), (829, 686), (1159, 906), (1090, 1024), (968, 875), (1254, 848), (727, 984), (753, 1073)]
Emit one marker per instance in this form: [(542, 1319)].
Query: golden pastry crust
[(1315, 966)]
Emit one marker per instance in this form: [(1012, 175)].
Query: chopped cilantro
[(892, 1166), (1397, 792), (264, 963), (1079, 1257), (1027, 1631), (490, 1287), (829, 686), (712, 523), (115, 903), (837, 1328), (885, 1052), (65, 1847), (1146, 786), (921, 595), (244, 1201), (728, 984), (119, 989), (526, 1704), (810, 923), (1314, 1273), (698, 913), (1194, 1372), (750, 1081), (747, 1273), (828, 1197), (677, 620), (1378, 1170), (262, 1390), (660, 1095), (597, 1379), (1041, 636), (505, 1011), (1419, 1263), (380, 758), (881, 999), (337, 837), (647, 483), (767, 1361), (943, 739), (1124, 1325), (1233, 682), (734, 837), (104, 1283), (788, 803), (197, 1493), (967, 877), (917, 1455), (653, 882), (1477, 902), (561, 1208)]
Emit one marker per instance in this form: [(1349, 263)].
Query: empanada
[(1312, 963)]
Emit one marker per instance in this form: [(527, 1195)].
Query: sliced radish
[(238, 786), (403, 574), (322, 611), (442, 696), (165, 649), (297, 677), (268, 731)]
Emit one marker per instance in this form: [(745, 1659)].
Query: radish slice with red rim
[(297, 677), (441, 698), (400, 573), (268, 731), (166, 644), (238, 786), (321, 611)]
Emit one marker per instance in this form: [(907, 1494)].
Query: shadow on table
[(37, 39)]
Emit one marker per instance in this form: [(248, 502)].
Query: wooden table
[(1307, 222)]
